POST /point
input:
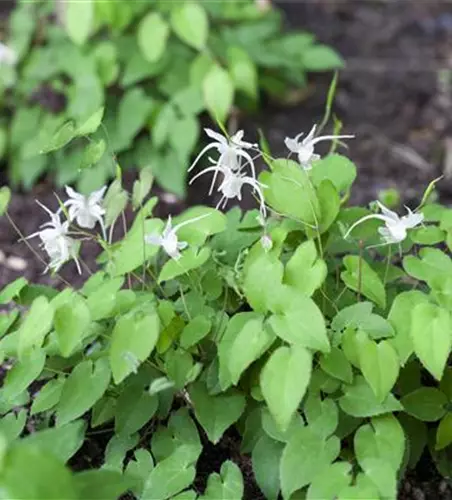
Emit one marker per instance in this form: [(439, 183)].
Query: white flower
[(266, 242), (231, 185), (305, 148), (86, 210), (395, 228), (7, 55), (231, 152), (168, 239), (56, 242)]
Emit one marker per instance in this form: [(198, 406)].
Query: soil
[(395, 95)]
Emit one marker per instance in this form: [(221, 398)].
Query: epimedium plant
[(156, 66), (314, 335)]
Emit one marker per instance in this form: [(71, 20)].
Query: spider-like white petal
[(304, 149), (231, 185), (86, 210), (168, 238), (231, 152), (56, 242), (395, 228), (8, 56)]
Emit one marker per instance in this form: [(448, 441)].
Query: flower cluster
[(56, 239), (235, 163)]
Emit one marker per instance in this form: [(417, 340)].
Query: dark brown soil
[(395, 95)]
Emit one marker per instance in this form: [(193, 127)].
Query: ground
[(395, 95)]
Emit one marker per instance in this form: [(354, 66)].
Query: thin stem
[(360, 269), (85, 265), (388, 262), (182, 296), (124, 229)]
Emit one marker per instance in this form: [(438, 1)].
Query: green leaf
[(444, 432), (47, 477), (184, 136), (142, 187), (359, 400), (426, 403), (133, 112), (23, 373), (218, 91), (91, 123), (234, 326), (305, 455), (433, 263), (305, 270), (322, 416), (379, 364), (284, 380), (61, 137), (334, 478), (36, 325), (226, 485), (245, 346), (290, 192), (12, 425), (5, 196), (84, 386), (400, 317), (266, 458), (72, 321), (336, 168), (429, 235), (116, 450), (115, 202), (243, 71), (12, 290), (191, 24), (102, 299), (363, 488), (321, 58), (48, 397), (139, 469), (99, 484), (382, 476), (216, 413), (62, 442), (78, 20), (262, 272), (336, 364), (171, 475), (383, 438), (190, 259), (134, 337), (132, 252), (93, 153), (431, 334), (134, 409), (153, 32), (361, 278), (299, 321), (198, 328), (213, 222), (416, 435), (330, 205), (180, 430)]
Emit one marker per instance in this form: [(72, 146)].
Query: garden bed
[(395, 95)]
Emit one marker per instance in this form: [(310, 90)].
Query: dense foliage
[(315, 334), (156, 66)]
